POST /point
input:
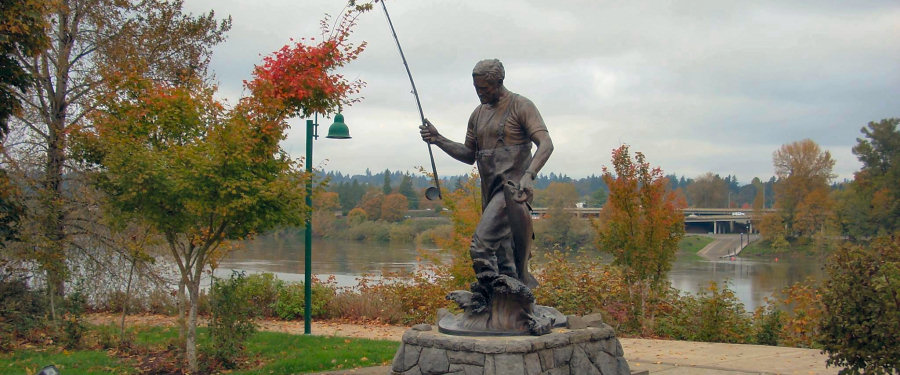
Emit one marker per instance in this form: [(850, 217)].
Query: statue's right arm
[(458, 151)]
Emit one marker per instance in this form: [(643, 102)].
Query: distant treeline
[(707, 190)]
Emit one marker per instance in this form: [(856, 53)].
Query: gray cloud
[(697, 86)]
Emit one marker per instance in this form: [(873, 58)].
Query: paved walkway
[(684, 357), (725, 245)]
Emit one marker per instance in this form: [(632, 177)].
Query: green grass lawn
[(761, 248), (286, 354), (691, 244), (30, 361), (267, 352)]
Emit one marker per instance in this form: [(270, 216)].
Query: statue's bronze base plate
[(465, 324)]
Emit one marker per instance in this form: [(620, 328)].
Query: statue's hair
[(491, 69)]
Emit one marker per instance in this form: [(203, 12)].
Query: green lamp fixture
[(338, 129)]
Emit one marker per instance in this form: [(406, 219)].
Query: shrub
[(369, 231), (417, 295), (291, 301), (231, 323), (681, 321), (802, 313), (401, 232), (861, 322), (713, 315), (356, 216), (21, 309), (722, 317), (72, 323), (262, 291), (366, 306), (116, 299), (582, 286), (161, 302), (767, 325), (431, 236)]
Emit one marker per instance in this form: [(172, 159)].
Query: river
[(752, 280)]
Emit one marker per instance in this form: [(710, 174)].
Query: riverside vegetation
[(130, 158), (573, 282)]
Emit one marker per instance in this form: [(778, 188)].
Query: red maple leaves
[(301, 78)]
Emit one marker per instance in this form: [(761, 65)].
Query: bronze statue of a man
[(499, 137)]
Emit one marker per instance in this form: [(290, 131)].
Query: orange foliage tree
[(640, 224), (325, 204), (394, 207), (371, 204), (802, 168), (174, 157), (464, 210)]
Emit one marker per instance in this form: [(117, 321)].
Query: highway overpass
[(696, 220)]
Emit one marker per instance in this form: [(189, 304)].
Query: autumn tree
[(861, 299), (89, 44), (708, 191), (559, 227), (371, 203), (464, 210), (394, 207), (815, 214), (325, 204), (22, 33), (171, 155), (802, 168), (641, 223), (872, 204)]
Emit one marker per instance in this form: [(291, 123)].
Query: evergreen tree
[(386, 188), (406, 188)]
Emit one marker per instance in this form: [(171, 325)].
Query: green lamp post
[(337, 130)]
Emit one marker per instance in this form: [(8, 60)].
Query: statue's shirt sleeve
[(520, 126), (524, 122)]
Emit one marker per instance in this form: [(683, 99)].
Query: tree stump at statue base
[(587, 351)]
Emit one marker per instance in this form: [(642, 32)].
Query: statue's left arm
[(541, 155), (529, 118)]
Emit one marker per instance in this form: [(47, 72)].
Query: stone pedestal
[(587, 351)]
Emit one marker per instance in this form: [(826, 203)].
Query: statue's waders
[(494, 250), (501, 302)]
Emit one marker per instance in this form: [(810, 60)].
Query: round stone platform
[(587, 351)]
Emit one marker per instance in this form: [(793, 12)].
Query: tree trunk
[(182, 312), (191, 339), (127, 295), (54, 260)]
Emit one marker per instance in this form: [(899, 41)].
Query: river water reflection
[(752, 280)]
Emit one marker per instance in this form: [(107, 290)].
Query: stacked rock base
[(587, 351)]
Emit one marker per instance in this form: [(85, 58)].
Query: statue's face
[(488, 91)]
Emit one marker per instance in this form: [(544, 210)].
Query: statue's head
[(487, 76)]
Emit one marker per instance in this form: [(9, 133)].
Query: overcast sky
[(697, 86)]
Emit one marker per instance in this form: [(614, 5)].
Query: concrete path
[(685, 357), (724, 245)]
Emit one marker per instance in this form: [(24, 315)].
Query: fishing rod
[(433, 192)]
